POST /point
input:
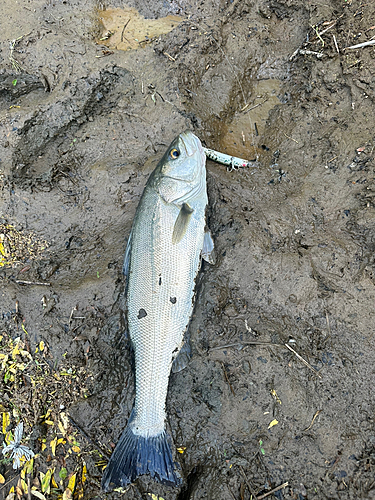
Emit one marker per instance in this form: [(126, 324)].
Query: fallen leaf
[(6, 421), (273, 423), (45, 480), (63, 473), (38, 494), (24, 486), (29, 466), (53, 444), (67, 495), (84, 473), (72, 482)]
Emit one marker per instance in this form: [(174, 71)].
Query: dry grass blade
[(313, 420), (303, 360)]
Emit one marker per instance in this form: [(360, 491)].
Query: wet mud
[(83, 122)]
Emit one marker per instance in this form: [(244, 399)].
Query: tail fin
[(136, 455)]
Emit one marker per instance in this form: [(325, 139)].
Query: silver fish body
[(164, 252)]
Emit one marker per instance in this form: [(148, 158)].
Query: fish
[(167, 242)]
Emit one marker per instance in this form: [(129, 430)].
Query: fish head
[(182, 170)]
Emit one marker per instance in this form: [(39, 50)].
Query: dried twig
[(324, 31), (313, 420), (247, 482), (21, 282), (253, 107), (304, 52), (227, 379), (271, 492), (169, 56), (360, 45), (291, 138)]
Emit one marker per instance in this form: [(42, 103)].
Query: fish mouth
[(191, 142)]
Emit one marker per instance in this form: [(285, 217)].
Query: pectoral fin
[(125, 267), (182, 223), (208, 251)]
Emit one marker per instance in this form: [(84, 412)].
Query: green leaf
[(45, 481), (63, 473), (14, 82)]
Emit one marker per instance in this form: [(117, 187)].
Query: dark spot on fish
[(159, 280), (142, 314), (175, 350), (173, 300)]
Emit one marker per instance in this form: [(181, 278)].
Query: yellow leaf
[(15, 351), (45, 480), (6, 421), (181, 449), (2, 249), (274, 394), (61, 428), (84, 473), (274, 422), (24, 329), (23, 473), (24, 486), (76, 449), (8, 437), (37, 494), (54, 484), (41, 345), (44, 446), (61, 440), (2, 479), (49, 422), (30, 466), (53, 444), (72, 482)]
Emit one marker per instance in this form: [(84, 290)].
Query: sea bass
[(168, 239)]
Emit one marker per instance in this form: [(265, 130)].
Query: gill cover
[(181, 172)]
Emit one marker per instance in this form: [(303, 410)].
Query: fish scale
[(162, 260)]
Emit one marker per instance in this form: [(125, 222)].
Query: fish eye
[(174, 153)]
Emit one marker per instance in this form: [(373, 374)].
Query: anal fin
[(208, 251), (183, 357)]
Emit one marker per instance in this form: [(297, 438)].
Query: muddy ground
[(82, 124)]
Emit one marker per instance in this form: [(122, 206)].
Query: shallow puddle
[(242, 134), (126, 28)]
